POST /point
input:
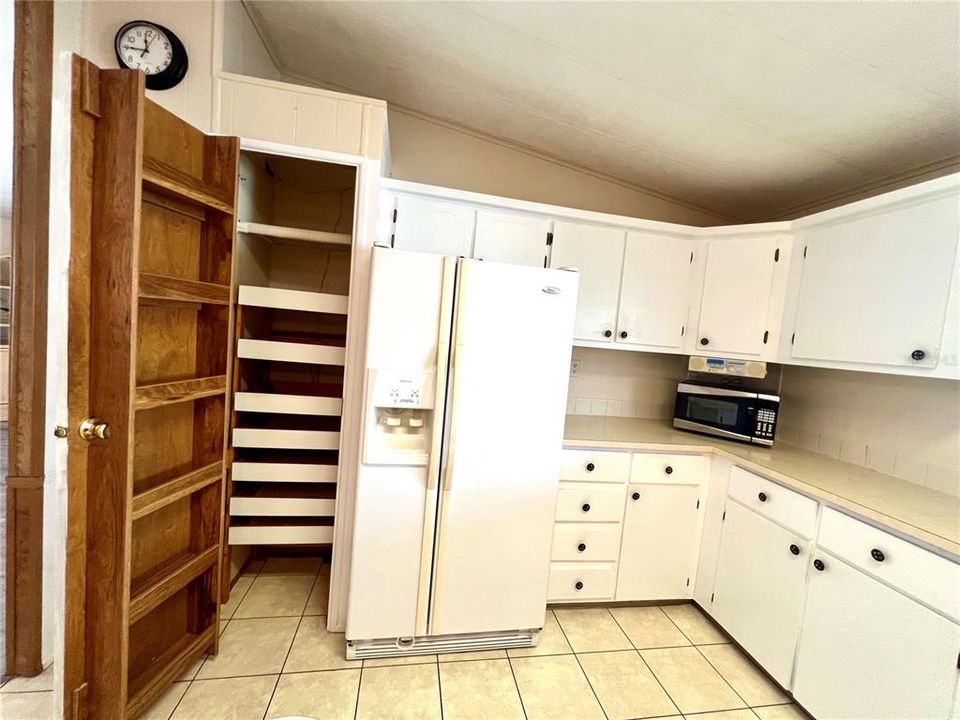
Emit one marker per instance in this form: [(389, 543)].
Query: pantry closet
[(294, 243)]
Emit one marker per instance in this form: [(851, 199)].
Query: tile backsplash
[(625, 384), (901, 426)]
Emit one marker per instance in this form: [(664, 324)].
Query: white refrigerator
[(466, 390)]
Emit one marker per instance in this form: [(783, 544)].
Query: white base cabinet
[(658, 553), (866, 651), (758, 594)]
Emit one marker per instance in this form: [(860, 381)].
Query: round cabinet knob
[(578, 585), (918, 355), (704, 341), (668, 469), (623, 334), (818, 564), (762, 497), (877, 555), (635, 496), (591, 467), (581, 547), (608, 333), (585, 507), (795, 549)]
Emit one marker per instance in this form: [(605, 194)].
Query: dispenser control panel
[(412, 390)]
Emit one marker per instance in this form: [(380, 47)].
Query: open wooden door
[(150, 286)]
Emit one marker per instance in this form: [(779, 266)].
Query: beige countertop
[(926, 516)]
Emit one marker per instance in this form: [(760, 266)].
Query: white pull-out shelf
[(283, 472), (281, 534), (290, 352), (283, 232), (287, 404), (282, 506), (286, 439), (280, 299)]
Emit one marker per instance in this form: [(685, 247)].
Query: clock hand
[(148, 40)]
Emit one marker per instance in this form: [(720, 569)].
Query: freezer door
[(507, 395), (409, 328)]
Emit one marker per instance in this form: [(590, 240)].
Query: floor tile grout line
[(721, 676), (356, 706), (579, 665), (646, 665), (282, 666), (440, 689), (523, 708)]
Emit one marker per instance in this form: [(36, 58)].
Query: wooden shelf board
[(168, 180), (283, 299), (282, 232), (287, 404), (152, 682), (179, 487), (290, 352), (150, 591), (161, 287), (169, 393)]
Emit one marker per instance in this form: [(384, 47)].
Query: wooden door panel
[(151, 274)]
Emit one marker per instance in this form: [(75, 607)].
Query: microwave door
[(715, 414)]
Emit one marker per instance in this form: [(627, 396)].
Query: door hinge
[(688, 582), (793, 338), (691, 256), (804, 250), (776, 255), (394, 215), (698, 503), (724, 516), (958, 661), (549, 239), (392, 237), (711, 597), (766, 335), (683, 329)]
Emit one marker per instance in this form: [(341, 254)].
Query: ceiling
[(753, 110)]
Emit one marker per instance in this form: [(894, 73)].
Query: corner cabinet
[(874, 286)]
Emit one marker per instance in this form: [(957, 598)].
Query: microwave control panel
[(766, 423)]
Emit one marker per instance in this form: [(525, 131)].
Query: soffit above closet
[(755, 110)]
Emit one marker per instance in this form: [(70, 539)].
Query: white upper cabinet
[(433, 226), (597, 252), (511, 238), (737, 285), (656, 290), (874, 287)]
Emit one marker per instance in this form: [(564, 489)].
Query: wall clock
[(152, 48)]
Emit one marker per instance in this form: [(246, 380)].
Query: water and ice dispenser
[(400, 415)]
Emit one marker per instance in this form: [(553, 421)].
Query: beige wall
[(434, 153), (624, 383), (903, 426)]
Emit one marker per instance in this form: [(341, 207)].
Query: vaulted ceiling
[(755, 110)]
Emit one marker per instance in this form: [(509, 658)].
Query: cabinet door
[(655, 292), (867, 651), (736, 295), (758, 594), (432, 226), (597, 252), (658, 552), (517, 239), (875, 290)]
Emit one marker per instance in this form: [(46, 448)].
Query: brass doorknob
[(94, 429)]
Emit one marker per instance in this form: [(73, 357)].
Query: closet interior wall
[(295, 222)]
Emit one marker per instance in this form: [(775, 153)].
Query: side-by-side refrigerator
[(466, 389)]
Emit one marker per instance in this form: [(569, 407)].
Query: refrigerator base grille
[(438, 644)]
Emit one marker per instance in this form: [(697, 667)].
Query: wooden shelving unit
[(291, 311)]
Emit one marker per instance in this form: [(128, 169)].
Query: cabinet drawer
[(665, 468), (910, 569), (582, 581), (595, 466), (586, 541), (586, 502), (789, 508)]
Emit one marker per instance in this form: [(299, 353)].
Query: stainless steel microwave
[(741, 415)]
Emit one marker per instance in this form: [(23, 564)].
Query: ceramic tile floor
[(277, 659)]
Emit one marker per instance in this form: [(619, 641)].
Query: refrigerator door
[(408, 340), (507, 397)]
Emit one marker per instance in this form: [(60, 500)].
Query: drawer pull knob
[(623, 334), (668, 469), (578, 585), (918, 355), (762, 497), (585, 507), (795, 549), (818, 564), (581, 547), (635, 496), (608, 333), (877, 555), (591, 467), (704, 341)]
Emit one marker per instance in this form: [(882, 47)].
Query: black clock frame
[(179, 62)]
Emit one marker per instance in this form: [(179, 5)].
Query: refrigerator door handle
[(454, 385)]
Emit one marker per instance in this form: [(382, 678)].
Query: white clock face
[(145, 47)]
